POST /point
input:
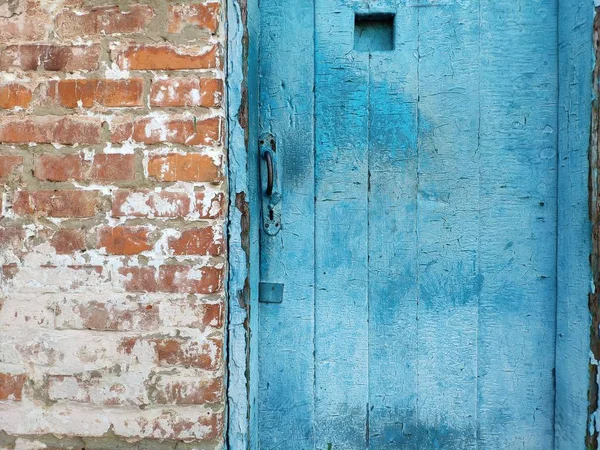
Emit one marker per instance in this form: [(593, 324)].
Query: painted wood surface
[(243, 248), (420, 230), (518, 223), (448, 225), (341, 224), (574, 231), (393, 265), (285, 348)]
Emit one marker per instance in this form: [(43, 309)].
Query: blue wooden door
[(408, 251)]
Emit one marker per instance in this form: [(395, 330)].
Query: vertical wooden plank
[(243, 258), (286, 346), (574, 279), (392, 208), (251, 324), (518, 223), (341, 329), (448, 222)]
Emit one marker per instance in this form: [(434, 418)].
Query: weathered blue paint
[(285, 347), (427, 192), (341, 224), (574, 279), (393, 266), (374, 32), (518, 151), (243, 248), (448, 224)]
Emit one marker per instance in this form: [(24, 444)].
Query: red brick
[(180, 352), (192, 313), (105, 167), (190, 280), (176, 131), (61, 58), (96, 387), (189, 353), (187, 392), (210, 205), (11, 386), (147, 203), (126, 312), (187, 92), (109, 389), (9, 271), (174, 279), (123, 240), (58, 167), (113, 167), (204, 426), (111, 93), (167, 57), (67, 241), (50, 129), (11, 239), (203, 15), (198, 241), (189, 167), (56, 203), (99, 21), (14, 95), (30, 25), (88, 268), (8, 164), (139, 279), (213, 315), (102, 316)]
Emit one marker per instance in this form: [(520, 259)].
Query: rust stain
[(243, 110), (242, 205)]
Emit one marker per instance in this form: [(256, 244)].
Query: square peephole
[(374, 32)]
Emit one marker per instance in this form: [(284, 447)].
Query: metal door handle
[(269, 160), (270, 182), (270, 291)]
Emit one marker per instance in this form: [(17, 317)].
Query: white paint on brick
[(22, 444), (10, 77), (43, 323), (195, 95), (160, 95), (113, 71), (157, 123), (162, 245), (27, 311)]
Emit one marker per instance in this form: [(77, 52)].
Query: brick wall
[(111, 237)]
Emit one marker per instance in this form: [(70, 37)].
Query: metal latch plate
[(270, 292)]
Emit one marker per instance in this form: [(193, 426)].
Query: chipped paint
[(594, 306), (445, 332), (119, 348), (574, 368), (243, 258)]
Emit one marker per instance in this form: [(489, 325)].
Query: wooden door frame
[(242, 22), (577, 314)]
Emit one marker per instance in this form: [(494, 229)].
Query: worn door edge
[(578, 343), (242, 255), (574, 245), (594, 376)]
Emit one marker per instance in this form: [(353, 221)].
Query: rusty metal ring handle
[(269, 160)]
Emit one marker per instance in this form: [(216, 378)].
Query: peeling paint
[(240, 377), (594, 306), (111, 338)]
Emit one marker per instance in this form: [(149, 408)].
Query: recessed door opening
[(374, 32)]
